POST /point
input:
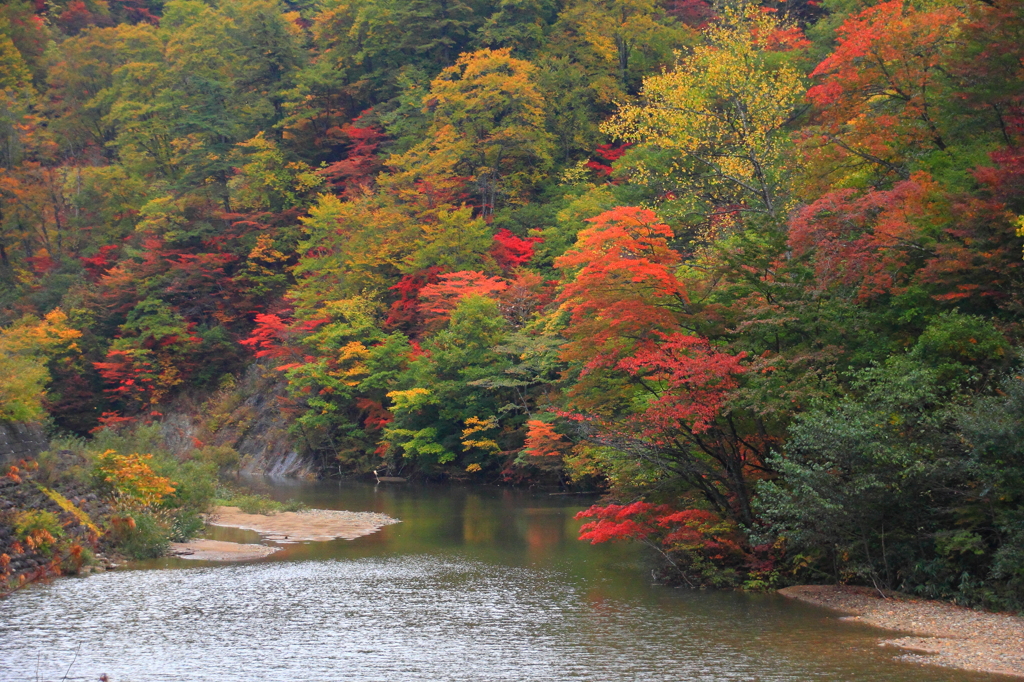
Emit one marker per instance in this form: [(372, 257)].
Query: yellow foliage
[(351, 358), (135, 484), (723, 110), (488, 125), (410, 399), (66, 504), (265, 251), (25, 347), (1020, 226), (477, 425)]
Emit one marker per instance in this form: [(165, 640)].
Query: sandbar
[(216, 550), (311, 525)]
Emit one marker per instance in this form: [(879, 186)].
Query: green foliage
[(140, 535), (958, 345), (429, 423), (994, 432), (32, 522), (874, 485), (255, 503)]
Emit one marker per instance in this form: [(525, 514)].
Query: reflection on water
[(475, 584)]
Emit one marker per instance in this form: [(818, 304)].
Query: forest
[(755, 270)]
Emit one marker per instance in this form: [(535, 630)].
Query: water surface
[(476, 584)]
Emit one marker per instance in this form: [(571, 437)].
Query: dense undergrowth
[(101, 497), (754, 269)]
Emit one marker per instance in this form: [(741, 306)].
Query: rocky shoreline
[(935, 633), (81, 548)]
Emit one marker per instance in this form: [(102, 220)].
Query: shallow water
[(476, 584)]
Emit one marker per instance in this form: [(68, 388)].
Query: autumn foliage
[(635, 247), (132, 481)]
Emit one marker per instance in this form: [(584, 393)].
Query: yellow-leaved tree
[(717, 123), (25, 348), (619, 29), (487, 125)]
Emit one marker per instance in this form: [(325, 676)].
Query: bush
[(77, 557), (186, 526), (254, 503), (195, 484), (221, 456), (131, 480), (139, 535), (39, 529)]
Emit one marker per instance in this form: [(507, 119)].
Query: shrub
[(139, 535), (39, 529), (132, 481), (255, 503)]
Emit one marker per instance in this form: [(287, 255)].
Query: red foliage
[(133, 380), (881, 86), (96, 266), (978, 257), (510, 251), (525, 295), (693, 380), (274, 336), (134, 10), (360, 163), (695, 13), (690, 530), (608, 154), (75, 17), (624, 289), (42, 263), (866, 241), (112, 421), (543, 441), (375, 415), (404, 313), (786, 39)]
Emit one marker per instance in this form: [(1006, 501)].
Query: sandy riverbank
[(936, 633), (216, 550)]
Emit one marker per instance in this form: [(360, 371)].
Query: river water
[(475, 584)]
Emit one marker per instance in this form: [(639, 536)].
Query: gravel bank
[(937, 633)]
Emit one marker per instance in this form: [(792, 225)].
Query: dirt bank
[(937, 633), (304, 526)]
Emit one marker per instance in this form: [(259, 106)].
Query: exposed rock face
[(20, 441), (249, 418)]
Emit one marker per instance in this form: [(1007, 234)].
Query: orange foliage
[(134, 483), (440, 299), (624, 287), (543, 441), (880, 88)]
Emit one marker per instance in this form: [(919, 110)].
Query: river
[(475, 584)]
